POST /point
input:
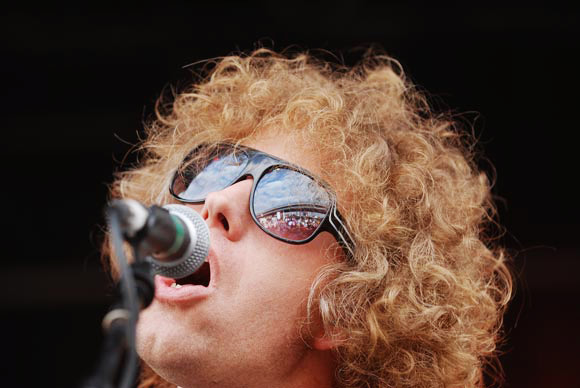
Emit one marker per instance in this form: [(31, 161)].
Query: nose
[(228, 210)]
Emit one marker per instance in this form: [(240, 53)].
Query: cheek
[(270, 293), (279, 278)]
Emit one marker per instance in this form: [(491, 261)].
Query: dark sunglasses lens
[(290, 204), (197, 179)]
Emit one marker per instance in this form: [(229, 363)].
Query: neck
[(317, 371), (314, 370)]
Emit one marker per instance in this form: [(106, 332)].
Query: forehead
[(288, 148)]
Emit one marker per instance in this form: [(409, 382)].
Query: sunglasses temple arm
[(345, 239)]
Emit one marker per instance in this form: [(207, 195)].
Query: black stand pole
[(113, 357)]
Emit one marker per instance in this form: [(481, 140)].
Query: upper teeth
[(175, 285)]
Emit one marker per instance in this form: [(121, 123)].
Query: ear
[(323, 343), (321, 340)]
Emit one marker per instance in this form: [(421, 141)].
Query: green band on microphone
[(179, 235)]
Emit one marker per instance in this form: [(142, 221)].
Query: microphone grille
[(199, 248)]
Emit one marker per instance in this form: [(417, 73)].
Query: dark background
[(77, 83)]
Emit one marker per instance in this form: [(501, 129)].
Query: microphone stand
[(114, 354), (117, 364)]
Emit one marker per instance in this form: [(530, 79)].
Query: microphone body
[(173, 238)]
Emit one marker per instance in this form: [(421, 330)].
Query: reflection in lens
[(290, 204), (220, 172), (291, 225)]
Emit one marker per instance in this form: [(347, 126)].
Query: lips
[(194, 287)]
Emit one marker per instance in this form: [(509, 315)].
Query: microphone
[(173, 238)]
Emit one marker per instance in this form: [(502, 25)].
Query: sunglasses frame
[(257, 166)]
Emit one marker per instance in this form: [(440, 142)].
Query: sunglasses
[(286, 201)]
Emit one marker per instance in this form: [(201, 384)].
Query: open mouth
[(201, 277)]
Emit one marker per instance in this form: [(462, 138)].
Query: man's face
[(246, 327)]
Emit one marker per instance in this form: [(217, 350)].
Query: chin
[(158, 338), (163, 358)]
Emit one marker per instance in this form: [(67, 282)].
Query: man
[(345, 219)]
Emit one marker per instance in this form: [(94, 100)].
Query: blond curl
[(421, 304)]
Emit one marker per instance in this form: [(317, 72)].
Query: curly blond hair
[(421, 304)]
